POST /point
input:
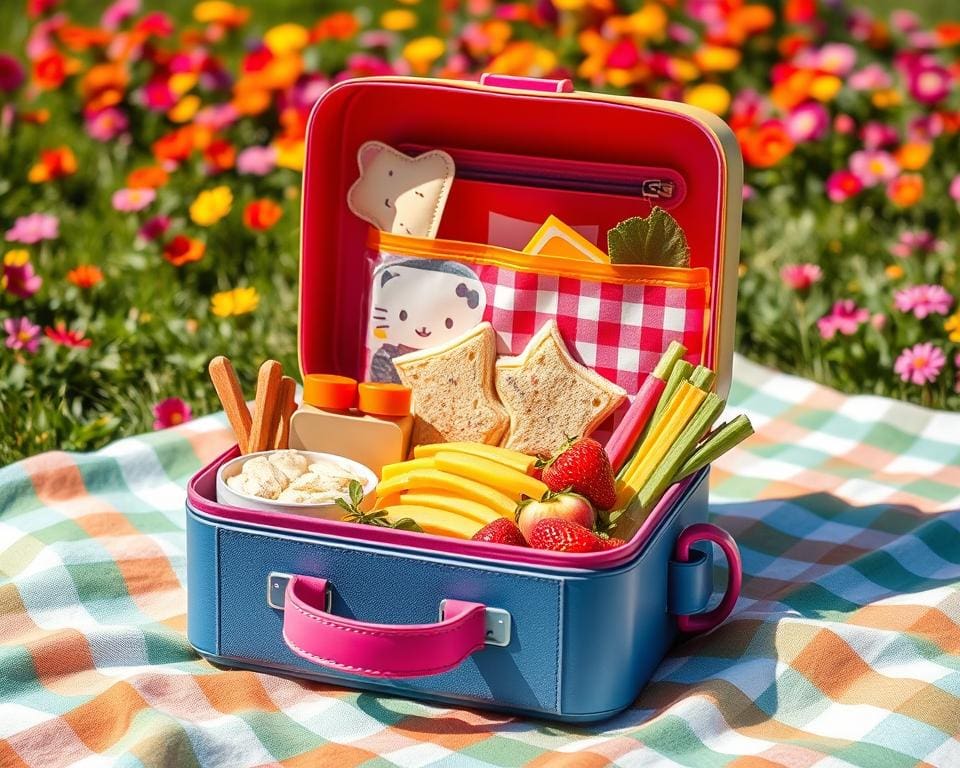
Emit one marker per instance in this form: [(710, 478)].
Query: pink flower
[(808, 122), (929, 84), (22, 334), (923, 300), (873, 166), (11, 73), (131, 200), (925, 128), (800, 277), (170, 412), (836, 58), (872, 77), (118, 12), (106, 124), (257, 161), (920, 363), (158, 96), (19, 277), (34, 228), (845, 318), (876, 135), (154, 228), (842, 185), (916, 241), (904, 21), (844, 124), (955, 188)]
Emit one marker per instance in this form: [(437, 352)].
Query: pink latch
[(526, 83)]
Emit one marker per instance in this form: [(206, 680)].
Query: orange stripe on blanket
[(58, 483), (928, 622), (206, 445), (15, 621), (102, 722), (568, 760), (9, 758), (236, 692), (61, 653)]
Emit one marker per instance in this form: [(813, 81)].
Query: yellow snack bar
[(436, 521), (403, 467), (511, 481), (438, 500), (519, 461), (435, 478)]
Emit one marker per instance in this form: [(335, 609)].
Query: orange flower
[(766, 145), (79, 39), (85, 276), (220, 12), (913, 155), (341, 25), (148, 177), (261, 215), (103, 85), (52, 68), (220, 155), (54, 164), (182, 250), (948, 32), (906, 189), (249, 97)]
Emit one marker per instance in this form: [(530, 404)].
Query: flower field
[(150, 163)]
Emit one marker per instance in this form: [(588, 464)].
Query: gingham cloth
[(844, 649)]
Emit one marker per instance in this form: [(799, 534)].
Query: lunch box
[(563, 636)]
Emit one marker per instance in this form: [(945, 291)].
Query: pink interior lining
[(201, 495)]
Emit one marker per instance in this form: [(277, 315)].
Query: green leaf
[(407, 524), (345, 505), (356, 493), (657, 240)]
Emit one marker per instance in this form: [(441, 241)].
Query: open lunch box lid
[(569, 149), (524, 149)]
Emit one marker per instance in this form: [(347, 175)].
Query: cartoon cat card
[(400, 194), (416, 304)]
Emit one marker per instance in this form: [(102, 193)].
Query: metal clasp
[(497, 625)]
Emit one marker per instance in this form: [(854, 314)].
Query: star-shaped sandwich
[(453, 396), (550, 396)]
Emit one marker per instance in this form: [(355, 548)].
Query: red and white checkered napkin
[(620, 331)]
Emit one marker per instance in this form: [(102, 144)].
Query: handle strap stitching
[(382, 633)]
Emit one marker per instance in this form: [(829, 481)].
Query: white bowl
[(227, 495)]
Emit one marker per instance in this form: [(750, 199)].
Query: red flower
[(766, 145), (182, 250), (220, 155), (261, 215), (65, 337)]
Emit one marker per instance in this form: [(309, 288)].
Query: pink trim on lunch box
[(286, 523), (526, 83), (702, 622), (378, 650)]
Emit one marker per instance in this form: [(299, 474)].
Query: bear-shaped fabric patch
[(400, 194), (416, 304)]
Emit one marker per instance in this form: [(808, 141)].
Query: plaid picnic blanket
[(843, 650)]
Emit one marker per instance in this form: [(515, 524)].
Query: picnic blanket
[(844, 648)]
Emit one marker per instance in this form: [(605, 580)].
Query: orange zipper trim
[(538, 263)]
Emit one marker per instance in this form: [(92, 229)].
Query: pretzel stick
[(288, 404), (228, 389), (267, 407)]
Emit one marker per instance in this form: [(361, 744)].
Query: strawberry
[(501, 531), (582, 466), (612, 543), (563, 536)]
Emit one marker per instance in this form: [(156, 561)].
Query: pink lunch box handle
[(377, 650), (526, 83), (701, 622)]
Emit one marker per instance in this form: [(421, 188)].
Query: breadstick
[(228, 389), (267, 407), (288, 404)]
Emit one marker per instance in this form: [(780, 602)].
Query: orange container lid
[(382, 399), (326, 390)]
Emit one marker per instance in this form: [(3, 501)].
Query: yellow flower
[(649, 23), (422, 52), (569, 5), (16, 258), (181, 82), (913, 155), (716, 58), (398, 20), (211, 205), (184, 110), (825, 87), (239, 301), (286, 38), (894, 271), (290, 153), (886, 98), (952, 326), (714, 98)]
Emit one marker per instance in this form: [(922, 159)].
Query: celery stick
[(717, 443), (670, 358), (681, 371), (683, 446), (703, 378)]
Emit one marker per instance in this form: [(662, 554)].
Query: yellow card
[(555, 238)]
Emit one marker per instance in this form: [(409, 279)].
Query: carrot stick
[(228, 389), (288, 404), (267, 407)]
